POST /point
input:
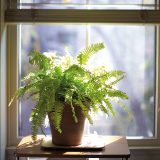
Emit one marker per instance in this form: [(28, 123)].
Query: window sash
[(13, 60)]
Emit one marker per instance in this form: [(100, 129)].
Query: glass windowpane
[(128, 48), (87, 4)]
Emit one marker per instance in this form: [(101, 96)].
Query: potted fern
[(66, 90)]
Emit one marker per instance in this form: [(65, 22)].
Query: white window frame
[(143, 17)]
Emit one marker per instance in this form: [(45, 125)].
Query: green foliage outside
[(59, 80)]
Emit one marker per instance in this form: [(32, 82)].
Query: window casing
[(126, 17)]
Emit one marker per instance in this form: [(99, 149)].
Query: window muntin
[(130, 48)]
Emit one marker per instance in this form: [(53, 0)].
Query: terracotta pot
[(71, 132)]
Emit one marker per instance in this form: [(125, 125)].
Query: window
[(57, 37), (131, 48)]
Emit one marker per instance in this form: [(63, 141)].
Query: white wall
[(2, 82)]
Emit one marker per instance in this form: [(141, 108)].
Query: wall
[(2, 82), (135, 154)]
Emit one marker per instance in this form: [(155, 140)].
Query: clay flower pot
[(72, 132)]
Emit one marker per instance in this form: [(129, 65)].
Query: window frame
[(39, 16)]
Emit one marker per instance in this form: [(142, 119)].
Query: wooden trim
[(3, 96), (12, 76), (158, 84), (82, 16)]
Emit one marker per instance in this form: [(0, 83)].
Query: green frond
[(57, 111), (112, 76), (69, 100), (117, 76), (29, 77), (103, 108), (76, 70), (73, 113), (116, 93), (109, 105), (85, 111), (37, 118), (116, 73), (38, 59), (20, 92), (84, 55)]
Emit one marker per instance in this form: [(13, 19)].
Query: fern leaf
[(40, 60), (84, 55), (76, 70), (109, 105), (57, 111), (117, 75), (73, 113), (117, 93), (104, 109), (69, 99), (85, 111), (19, 93), (37, 117)]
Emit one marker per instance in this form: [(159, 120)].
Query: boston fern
[(66, 80)]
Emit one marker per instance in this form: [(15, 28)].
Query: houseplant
[(66, 84)]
